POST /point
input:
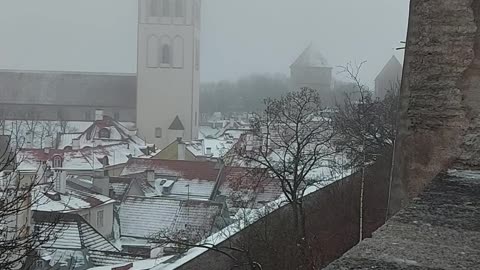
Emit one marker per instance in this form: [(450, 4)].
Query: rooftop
[(67, 88), (311, 57), (439, 230), (159, 214)]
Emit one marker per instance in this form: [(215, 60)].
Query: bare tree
[(18, 193), (365, 126), (291, 141)]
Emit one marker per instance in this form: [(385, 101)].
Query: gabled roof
[(310, 57), (245, 188), (68, 88), (202, 170), (81, 159), (191, 179), (392, 66), (176, 124), (71, 232), (142, 217), (77, 198), (90, 137), (75, 238)]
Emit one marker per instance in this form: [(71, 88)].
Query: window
[(158, 132), (179, 8), (116, 116), (104, 133), (105, 161), (166, 8), (57, 161), (152, 52), (165, 54), (100, 219)]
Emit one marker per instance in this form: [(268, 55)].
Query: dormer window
[(104, 133), (57, 161), (105, 161)]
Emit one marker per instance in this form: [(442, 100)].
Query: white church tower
[(168, 67)]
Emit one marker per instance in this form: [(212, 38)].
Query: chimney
[(61, 182), (76, 144), (150, 176), (101, 183), (181, 149), (98, 114)]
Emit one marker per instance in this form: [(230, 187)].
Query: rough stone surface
[(439, 95), (438, 230)]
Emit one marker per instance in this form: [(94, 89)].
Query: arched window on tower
[(165, 52), (179, 8), (152, 52), (166, 8), (178, 52)]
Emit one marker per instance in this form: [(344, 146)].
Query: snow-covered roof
[(71, 235), (92, 136), (143, 217), (81, 159), (191, 179), (76, 198), (202, 170), (245, 189), (311, 57), (213, 148)]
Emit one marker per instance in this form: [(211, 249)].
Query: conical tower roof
[(311, 57), (392, 65)]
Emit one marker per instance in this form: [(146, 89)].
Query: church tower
[(168, 68)]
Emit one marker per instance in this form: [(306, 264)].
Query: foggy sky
[(239, 37)]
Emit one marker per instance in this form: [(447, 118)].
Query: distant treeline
[(244, 95), (247, 93)]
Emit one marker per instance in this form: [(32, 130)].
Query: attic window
[(104, 133), (57, 161), (105, 161)]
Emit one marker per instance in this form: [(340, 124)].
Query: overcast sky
[(239, 37)]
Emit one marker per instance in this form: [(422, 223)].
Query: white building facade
[(168, 69)]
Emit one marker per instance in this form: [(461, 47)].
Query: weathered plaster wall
[(439, 95)]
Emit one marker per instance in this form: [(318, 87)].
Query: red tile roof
[(203, 170)]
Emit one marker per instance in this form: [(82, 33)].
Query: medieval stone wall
[(439, 95)]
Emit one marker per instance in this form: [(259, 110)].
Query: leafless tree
[(365, 126), (18, 193), (291, 141)]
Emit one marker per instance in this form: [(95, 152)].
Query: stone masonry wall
[(439, 97)]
